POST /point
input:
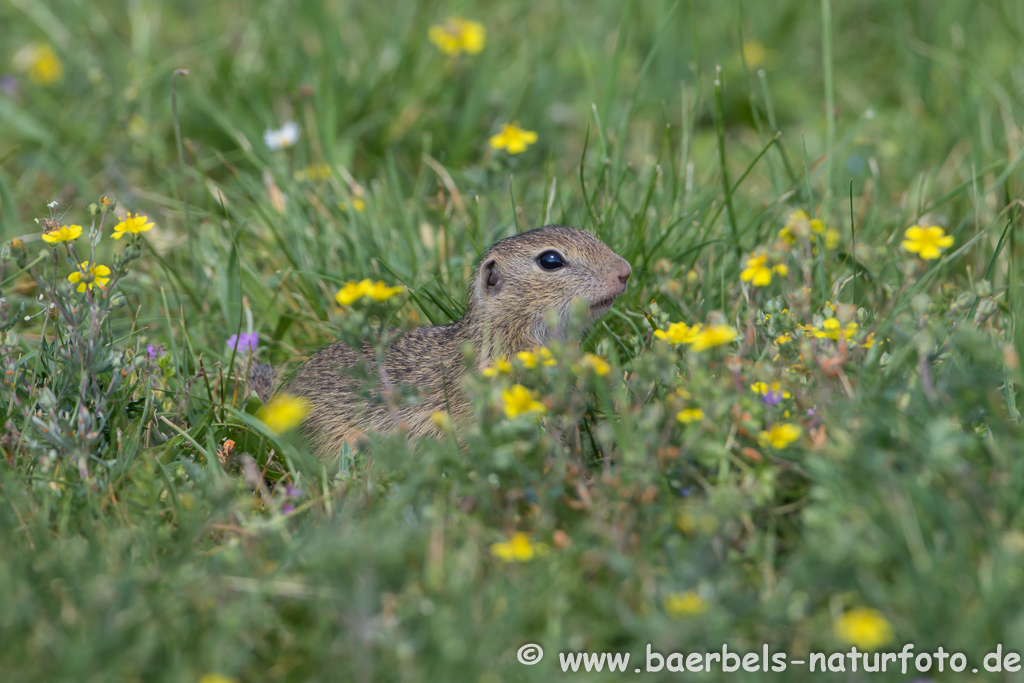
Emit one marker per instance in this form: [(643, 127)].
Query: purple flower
[(247, 341), (289, 491), (9, 84), (155, 351), (772, 397)]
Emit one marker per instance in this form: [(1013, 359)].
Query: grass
[(142, 545)]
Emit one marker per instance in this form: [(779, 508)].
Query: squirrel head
[(528, 281)]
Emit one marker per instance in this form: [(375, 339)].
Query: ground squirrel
[(518, 282)]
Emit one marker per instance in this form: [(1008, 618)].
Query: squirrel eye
[(550, 260)]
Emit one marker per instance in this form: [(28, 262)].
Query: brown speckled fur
[(509, 299)]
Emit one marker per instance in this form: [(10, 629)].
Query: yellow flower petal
[(501, 366), (593, 362), (780, 435), (96, 272), (133, 224), (40, 62), (678, 333), (217, 678), (349, 293), (712, 336), (683, 605), (64, 233), (456, 35), (378, 291), (517, 549), (513, 139), (864, 627), (284, 412), (690, 415), (928, 243), (519, 400)]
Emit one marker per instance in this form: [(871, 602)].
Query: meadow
[(797, 432)]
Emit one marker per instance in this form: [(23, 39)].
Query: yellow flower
[(794, 224), (137, 127), (687, 522), (133, 224), (715, 335), (754, 53), (64, 233), (377, 291), (501, 366), (829, 235), (313, 173), (864, 627), (217, 678), (591, 361), (784, 338), (513, 139), (690, 415), (798, 225), (756, 271), (761, 388), (832, 329), (521, 401), (518, 548), (357, 204), (780, 435), (831, 238), (97, 275), (349, 293), (927, 243), (41, 63), (540, 355), (457, 35), (683, 605), (441, 420), (284, 412), (678, 333)]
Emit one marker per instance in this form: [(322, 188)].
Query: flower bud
[(20, 252)]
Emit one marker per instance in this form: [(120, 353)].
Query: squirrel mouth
[(602, 305)]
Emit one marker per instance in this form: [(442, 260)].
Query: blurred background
[(305, 144), (922, 94)]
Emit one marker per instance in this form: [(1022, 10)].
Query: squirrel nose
[(624, 272)]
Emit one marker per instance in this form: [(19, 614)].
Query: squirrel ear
[(490, 277)]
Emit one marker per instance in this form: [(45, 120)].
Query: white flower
[(285, 137)]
